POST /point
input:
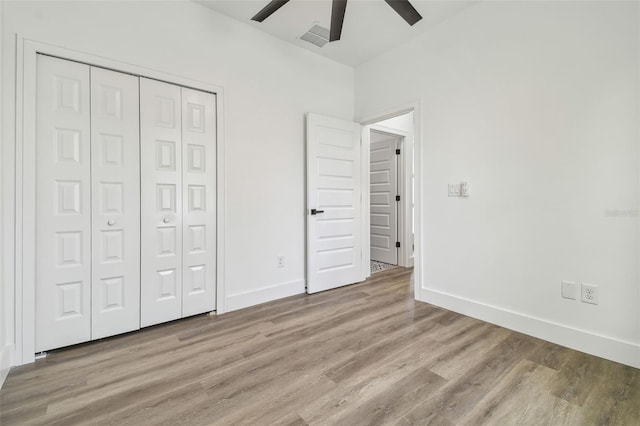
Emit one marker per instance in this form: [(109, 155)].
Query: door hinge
[(398, 151), (397, 243), (397, 198)]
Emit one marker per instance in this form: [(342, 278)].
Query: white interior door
[(115, 175), (334, 203), (161, 199), (63, 204), (383, 180), (199, 207)]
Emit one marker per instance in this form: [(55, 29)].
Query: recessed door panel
[(167, 241), (69, 248), (161, 200), (196, 157), (68, 195), (109, 100), (166, 155), (112, 246), (111, 150), (166, 285), (63, 217), (113, 292), (199, 186), (196, 281), (115, 173), (70, 300), (197, 198), (335, 259), (70, 94), (67, 146), (335, 228), (111, 198), (196, 239)]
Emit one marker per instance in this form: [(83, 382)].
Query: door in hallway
[(384, 193)]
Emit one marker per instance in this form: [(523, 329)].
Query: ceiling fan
[(402, 8)]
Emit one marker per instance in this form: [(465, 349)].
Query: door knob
[(315, 212), (111, 222), (166, 219)]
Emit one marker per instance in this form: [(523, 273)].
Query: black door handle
[(315, 212)]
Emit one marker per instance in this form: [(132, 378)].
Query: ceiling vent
[(317, 35)]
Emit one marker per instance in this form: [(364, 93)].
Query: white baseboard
[(5, 363), (624, 352), (264, 294)]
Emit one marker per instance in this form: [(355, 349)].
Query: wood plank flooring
[(366, 354)]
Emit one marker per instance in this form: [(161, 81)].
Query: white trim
[(638, 238), (365, 201), (25, 176), (8, 296), (414, 106), (221, 210), (6, 358), (610, 348), (264, 294)]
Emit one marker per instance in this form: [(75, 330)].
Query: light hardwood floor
[(364, 354)]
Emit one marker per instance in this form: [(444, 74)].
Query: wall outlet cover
[(464, 189), (589, 293)]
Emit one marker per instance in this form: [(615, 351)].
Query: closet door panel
[(115, 169), (63, 200), (199, 207), (161, 202)]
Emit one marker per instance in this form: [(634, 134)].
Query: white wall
[(4, 352), (536, 104), (269, 85)]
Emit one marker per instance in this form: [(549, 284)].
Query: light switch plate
[(569, 290), (454, 190)]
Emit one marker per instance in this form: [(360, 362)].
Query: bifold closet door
[(115, 170), (63, 202), (178, 143), (161, 202), (88, 203), (199, 207)]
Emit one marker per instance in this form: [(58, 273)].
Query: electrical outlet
[(280, 261), (464, 189), (590, 293), (569, 290)]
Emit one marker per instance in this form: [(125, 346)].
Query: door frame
[(367, 122), (24, 159), (405, 253)]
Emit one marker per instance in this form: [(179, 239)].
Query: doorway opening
[(338, 228), (391, 182)]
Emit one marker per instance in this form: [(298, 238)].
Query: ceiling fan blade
[(406, 10), (337, 18), (269, 9)]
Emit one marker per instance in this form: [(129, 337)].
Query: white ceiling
[(370, 27)]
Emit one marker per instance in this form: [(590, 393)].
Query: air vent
[(317, 35)]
